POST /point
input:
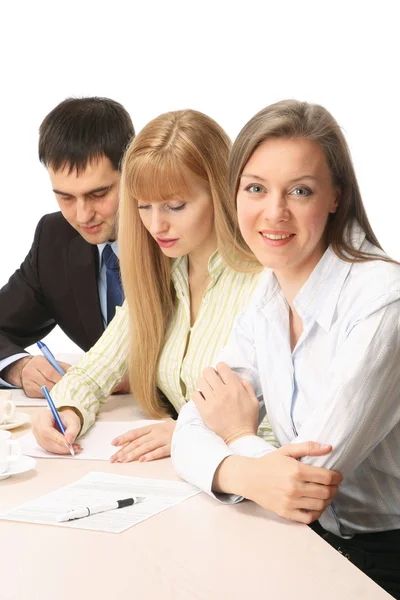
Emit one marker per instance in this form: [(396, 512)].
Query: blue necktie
[(115, 295)]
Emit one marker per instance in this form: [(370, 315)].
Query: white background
[(227, 59)]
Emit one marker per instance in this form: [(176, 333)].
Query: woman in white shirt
[(320, 345)]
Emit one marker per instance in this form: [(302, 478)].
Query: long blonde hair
[(291, 119), (153, 171)]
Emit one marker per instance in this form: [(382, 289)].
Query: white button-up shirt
[(339, 386)]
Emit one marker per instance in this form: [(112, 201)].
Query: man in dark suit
[(70, 277)]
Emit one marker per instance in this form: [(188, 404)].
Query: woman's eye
[(176, 208), (302, 191), (143, 206), (254, 188)]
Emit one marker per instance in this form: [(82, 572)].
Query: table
[(200, 549)]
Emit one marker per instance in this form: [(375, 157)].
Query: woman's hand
[(146, 443), (226, 403), (49, 437), (280, 483)]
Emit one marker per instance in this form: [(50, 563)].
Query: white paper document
[(96, 488), (20, 399), (96, 442)]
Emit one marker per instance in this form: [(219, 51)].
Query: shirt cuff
[(251, 446), (214, 461), (87, 420), (6, 362)]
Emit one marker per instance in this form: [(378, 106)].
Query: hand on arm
[(280, 483), (50, 438), (145, 443), (277, 480), (227, 403), (31, 373)]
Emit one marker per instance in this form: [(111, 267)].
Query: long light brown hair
[(153, 170), (294, 119)]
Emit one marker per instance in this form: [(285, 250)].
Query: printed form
[(156, 495)]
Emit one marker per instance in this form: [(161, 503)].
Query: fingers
[(36, 373), (319, 475), (249, 388), (71, 432), (198, 398), (303, 509), (212, 379), (54, 441), (47, 435), (32, 385), (305, 517), (134, 450), (162, 452), (323, 492), (205, 388), (48, 372), (314, 504), (308, 472), (305, 449), (150, 442), (131, 435)]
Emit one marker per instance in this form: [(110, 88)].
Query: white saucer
[(20, 465), (20, 418)]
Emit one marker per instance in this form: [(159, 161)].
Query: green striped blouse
[(89, 383)]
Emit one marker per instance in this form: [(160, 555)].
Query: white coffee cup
[(7, 407), (10, 451)]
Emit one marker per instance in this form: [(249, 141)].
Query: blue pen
[(47, 354), (56, 416)]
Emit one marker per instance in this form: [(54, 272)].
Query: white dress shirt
[(339, 386), (102, 287)]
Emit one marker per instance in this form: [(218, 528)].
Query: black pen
[(85, 511)]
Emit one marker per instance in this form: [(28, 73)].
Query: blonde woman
[(183, 285), (320, 345)]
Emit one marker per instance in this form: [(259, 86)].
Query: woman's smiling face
[(284, 200)]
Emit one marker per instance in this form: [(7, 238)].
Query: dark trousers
[(376, 554)]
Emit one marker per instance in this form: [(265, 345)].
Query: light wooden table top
[(200, 549)]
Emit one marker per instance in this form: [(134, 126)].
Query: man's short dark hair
[(79, 130)]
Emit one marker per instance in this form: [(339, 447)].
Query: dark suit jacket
[(55, 285)]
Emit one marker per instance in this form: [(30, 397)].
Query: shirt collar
[(319, 295), (215, 265)]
